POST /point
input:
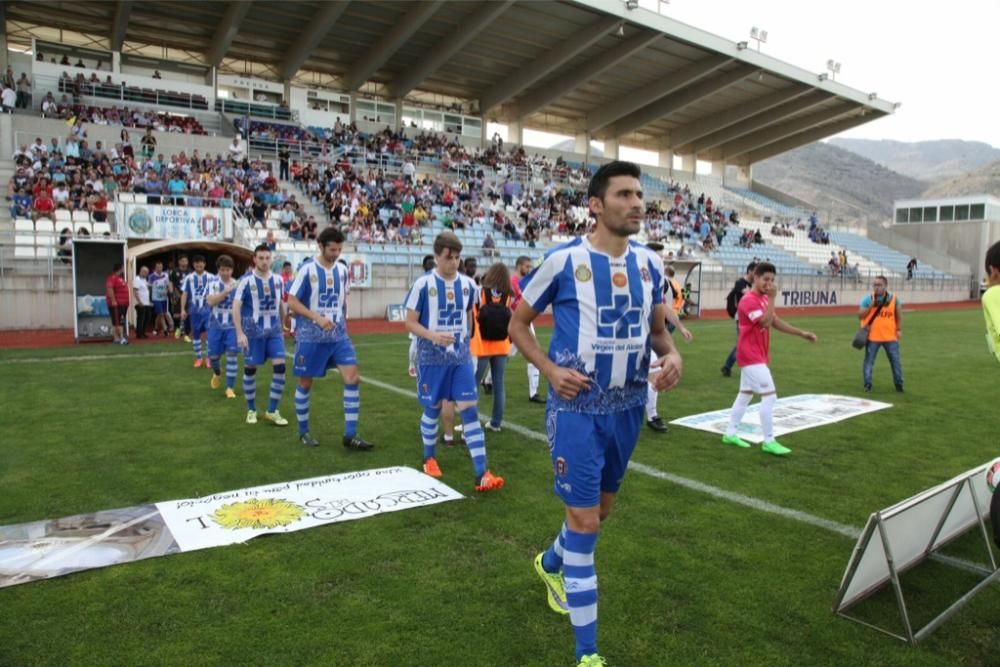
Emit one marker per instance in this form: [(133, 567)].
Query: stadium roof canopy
[(568, 66)]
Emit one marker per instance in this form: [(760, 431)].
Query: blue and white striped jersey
[(260, 305), (323, 291), (196, 288), (445, 306), (222, 313), (603, 308)]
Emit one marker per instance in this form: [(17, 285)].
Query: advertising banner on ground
[(53, 548), (792, 413), (192, 223)]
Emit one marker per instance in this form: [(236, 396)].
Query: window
[(902, 215), (916, 215), (930, 214), (947, 213), (977, 212), (962, 212)]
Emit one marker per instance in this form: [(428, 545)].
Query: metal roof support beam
[(120, 25), (318, 29), (226, 31), (809, 136), (734, 114), (673, 103), (547, 63), (770, 135), (773, 116), (566, 83), (390, 42), (448, 46), (640, 97)]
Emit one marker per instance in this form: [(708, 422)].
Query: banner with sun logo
[(47, 549)]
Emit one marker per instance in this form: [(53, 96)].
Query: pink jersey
[(515, 286), (753, 345)]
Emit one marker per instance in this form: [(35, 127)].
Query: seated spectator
[(270, 241), (97, 203), (295, 230), (21, 204), (490, 247), (310, 229), (258, 212), (43, 205)]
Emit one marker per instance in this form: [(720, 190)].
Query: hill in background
[(985, 180), (924, 160), (846, 185)]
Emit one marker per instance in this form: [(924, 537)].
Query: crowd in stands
[(784, 229), (816, 233), (267, 134), (80, 85), (696, 222), (160, 121)]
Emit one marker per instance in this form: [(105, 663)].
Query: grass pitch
[(685, 578)]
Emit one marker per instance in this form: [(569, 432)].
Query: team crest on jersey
[(425, 388), (302, 360), (432, 291), (329, 281), (619, 280), (582, 273), (313, 279), (465, 291), (561, 467), (451, 295), (644, 275)]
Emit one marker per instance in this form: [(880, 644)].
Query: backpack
[(732, 301), (493, 318)]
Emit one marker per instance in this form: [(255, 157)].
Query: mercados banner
[(47, 549)]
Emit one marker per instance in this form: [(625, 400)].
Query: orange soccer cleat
[(431, 468), (489, 482)]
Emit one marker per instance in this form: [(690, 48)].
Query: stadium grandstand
[(280, 118)]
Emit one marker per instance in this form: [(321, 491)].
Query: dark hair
[(224, 262), (116, 267), (883, 279), (599, 183), (261, 248), (330, 235), (993, 257), (428, 262), (751, 267), (764, 267), (198, 258), (521, 260), (286, 265), (447, 241), (670, 271)]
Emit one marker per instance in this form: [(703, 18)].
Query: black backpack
[(494, 318)]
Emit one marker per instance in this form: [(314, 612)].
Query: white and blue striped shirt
[(444, 306), (196, 288), (260, 305), (324, 292), (603, 308), (222, 312)]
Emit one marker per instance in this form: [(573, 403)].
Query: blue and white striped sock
[(250, 387), (429, 430), (302, 408), (474, 438), (580, 578), (277, 387), (232, 365), (352, 408), (552, 559), (197, 348)]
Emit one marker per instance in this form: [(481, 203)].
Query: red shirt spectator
[(44, 203), (118, 288)]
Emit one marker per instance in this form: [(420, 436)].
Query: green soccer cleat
[(309, 441), (592, 660), (735, 440), (775, 447), (275, 418), (554, 586), (251, 416)]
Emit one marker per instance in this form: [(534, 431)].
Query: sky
[(936, 59)]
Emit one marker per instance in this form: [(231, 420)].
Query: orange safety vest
[(486, 348), (678, 303), (883, 329)]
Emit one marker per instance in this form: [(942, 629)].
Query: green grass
[(686, 578)]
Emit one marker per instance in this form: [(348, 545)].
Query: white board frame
[(958, 505)]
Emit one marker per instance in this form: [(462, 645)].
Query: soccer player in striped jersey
[(522, 267), (318, 297), (221, 333), (606, 294), (672, 305), (258, 311), (438, 309), (194, 288)]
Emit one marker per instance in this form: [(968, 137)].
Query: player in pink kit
[(755, 316)]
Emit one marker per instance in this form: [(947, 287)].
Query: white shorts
[(757, 378)]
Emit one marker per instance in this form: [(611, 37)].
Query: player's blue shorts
[(222, 341), (312, 360), (449, 383), (199, 322), (159, 307), (590, 453), (264, 348)]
